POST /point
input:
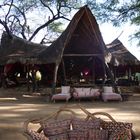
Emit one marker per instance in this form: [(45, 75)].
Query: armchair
[(64, 95), (108, 94)]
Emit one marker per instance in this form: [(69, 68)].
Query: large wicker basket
[(90, 127)]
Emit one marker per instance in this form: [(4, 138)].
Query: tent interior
[(80, 70), (125, 66), (83, 59)]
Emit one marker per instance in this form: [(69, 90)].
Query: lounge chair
[(64, 95), (108, 94)]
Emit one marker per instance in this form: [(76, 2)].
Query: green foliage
[(117, 12), (27, 18), (56, 27)]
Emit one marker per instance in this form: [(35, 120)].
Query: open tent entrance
[(83, 55), (77, 70)]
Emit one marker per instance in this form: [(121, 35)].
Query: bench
[(84, 93)]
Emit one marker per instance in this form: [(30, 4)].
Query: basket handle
[(79, 106), (64, 110), (100, 113), (34, 121)]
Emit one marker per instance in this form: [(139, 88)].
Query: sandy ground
[(17, 106)]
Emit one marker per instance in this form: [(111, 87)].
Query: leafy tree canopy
[(28, 18), (118, 12)]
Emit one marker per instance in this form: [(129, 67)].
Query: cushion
[(78, 95), (111, 96), (81, 94), (78, 90), (107, 89), (86, 91), (94, 92), (78, 135), (61, 96), (56, 127), (83, 124), (65, 89), (95, 134)]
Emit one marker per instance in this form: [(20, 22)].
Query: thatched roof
[(18, 49), (82, 36), (120, 55)]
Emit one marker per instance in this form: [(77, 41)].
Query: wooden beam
[(93, 71), (64, 71), (55, 78)]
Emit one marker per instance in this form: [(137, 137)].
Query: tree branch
[(47, 7), (9, 10), (6, 28), (42, 26), (45, 25), (23, 15), (22, 26)]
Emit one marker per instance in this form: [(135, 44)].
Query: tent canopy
[(82, 37), (79, 48), (16, 49), (120, 55)]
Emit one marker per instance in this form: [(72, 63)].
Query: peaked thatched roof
[(17, 49), (120, 55), (82, 36)]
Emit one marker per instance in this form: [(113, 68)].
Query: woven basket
[(55, 125), (116, 130), (54, 128)]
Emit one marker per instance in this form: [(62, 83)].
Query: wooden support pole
[(55, 78), (104, 72), (114, 72), (111, 77), (93, 71), (64, 72), (28, 83)]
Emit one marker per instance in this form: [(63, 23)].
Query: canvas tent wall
[(122, 62), (18, 55)]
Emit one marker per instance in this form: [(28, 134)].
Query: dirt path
[(17, 106)]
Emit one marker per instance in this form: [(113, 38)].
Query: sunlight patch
[(10, 115), (6, 99)]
